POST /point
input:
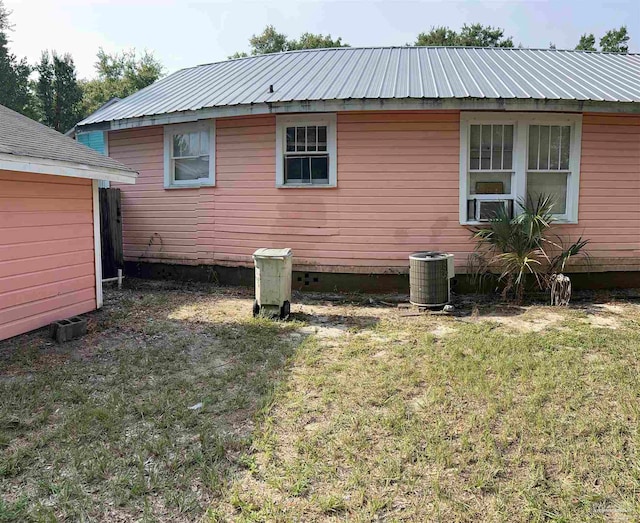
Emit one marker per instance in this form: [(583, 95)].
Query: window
[(505, 157), (189, 155), (548, 170), (306, 151), (490, 170)]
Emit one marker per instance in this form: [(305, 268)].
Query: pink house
[(355, 158), (49, 224)]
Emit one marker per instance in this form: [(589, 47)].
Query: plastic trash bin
[(273, 282)]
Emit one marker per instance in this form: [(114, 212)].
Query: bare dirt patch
[(523, 319), (606, 322)]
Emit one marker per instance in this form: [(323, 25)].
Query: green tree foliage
[(14, 73), (315, 41), (57, 92), (440, 36), (119, 75), (474, 35), (615, 41), (587, 43), (271, 41)]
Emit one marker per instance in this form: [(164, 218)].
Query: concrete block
[(69, 329)]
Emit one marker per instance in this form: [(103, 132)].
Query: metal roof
[(25, 140), (388, 73)]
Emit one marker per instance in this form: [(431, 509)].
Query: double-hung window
[(306, 151), (507, 158), (189, 155)]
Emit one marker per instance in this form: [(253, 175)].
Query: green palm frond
[(522, 246)]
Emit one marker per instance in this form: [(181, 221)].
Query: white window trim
[(169, 131), (521, 123), (329, 120)]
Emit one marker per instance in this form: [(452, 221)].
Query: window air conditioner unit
[(487, 209)]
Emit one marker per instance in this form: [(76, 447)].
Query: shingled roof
[(25, 143), (442, 76)]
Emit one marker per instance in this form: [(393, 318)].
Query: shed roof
[(386, 74), (26, 145)]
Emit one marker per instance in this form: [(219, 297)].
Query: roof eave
[(381, 104), (30, 164)]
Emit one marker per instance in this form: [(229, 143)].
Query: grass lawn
[(353, 411)]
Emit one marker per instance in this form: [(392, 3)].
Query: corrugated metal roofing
[(23, 137), (388, 73)]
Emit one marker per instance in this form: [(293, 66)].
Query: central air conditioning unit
[(430, 275)]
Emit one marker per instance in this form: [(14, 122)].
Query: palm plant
[(521, 246)]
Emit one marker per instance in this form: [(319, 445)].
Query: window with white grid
[(506, 158), (306, 151), (548, 169)]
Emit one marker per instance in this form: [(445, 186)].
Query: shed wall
[(47, 267)]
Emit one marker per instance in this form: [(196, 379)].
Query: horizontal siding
[(152, 215), (397, 193), (47, 269), (609, 205)]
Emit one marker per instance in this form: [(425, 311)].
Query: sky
[(187, 33)]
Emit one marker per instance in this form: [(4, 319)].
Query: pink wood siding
[(47, 269), (397, 193), (609, 207)]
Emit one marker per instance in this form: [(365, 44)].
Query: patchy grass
[(101, 429), (430, 418), (349, 412)]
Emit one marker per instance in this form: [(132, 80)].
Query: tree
[(57, 91), (119, 75), (477, 35), (315, 41), (44, 90), (587, 43), (271, 41), (14, 73), (440, 36), (615, 41), (474, 35)]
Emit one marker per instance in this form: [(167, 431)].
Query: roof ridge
[(371, 47)]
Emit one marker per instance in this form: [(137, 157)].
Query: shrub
[(524, 245)]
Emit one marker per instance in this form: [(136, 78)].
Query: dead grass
[(352, 411)]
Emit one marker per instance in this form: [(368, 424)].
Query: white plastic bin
[(273, 282)]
